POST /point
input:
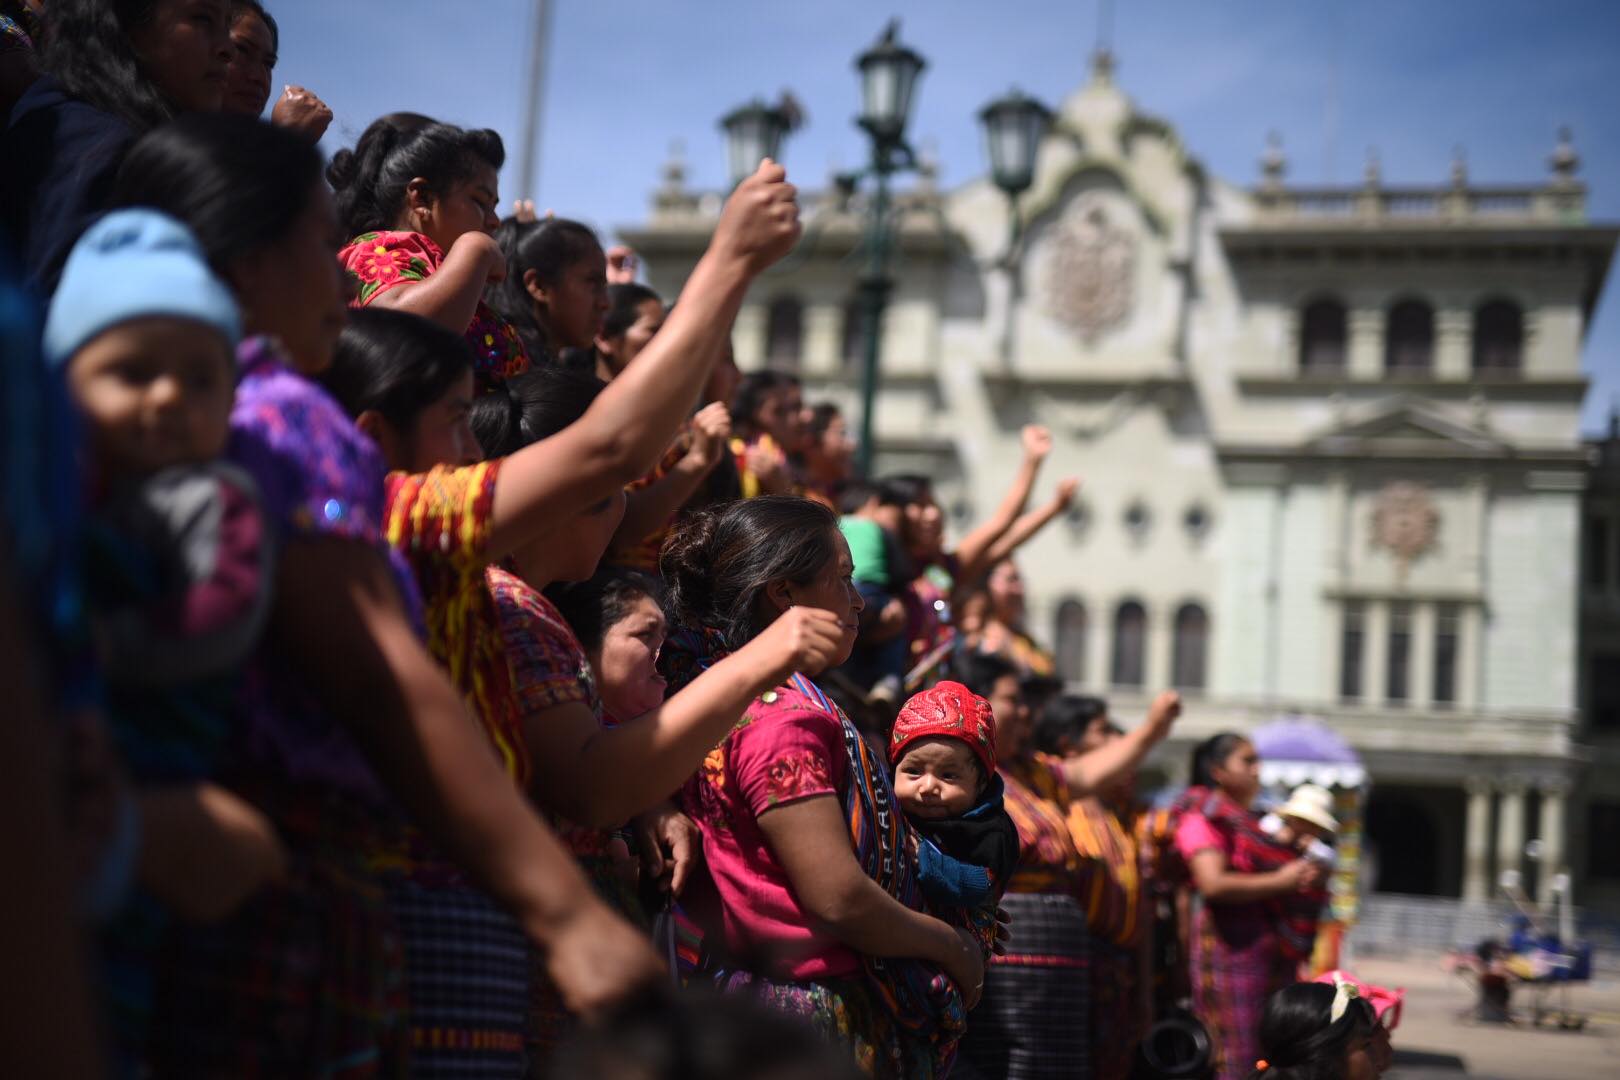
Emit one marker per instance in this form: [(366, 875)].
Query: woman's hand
[(300, 111), (965, 966), (801, 639), (1067, 488), (711, 428), (597, 960), (1301, 875), (482, 246), (770, 467), (760, 222), (1037, 442), (1003, 932), (671, 845), (1162, 715)]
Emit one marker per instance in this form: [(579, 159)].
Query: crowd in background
[(430, 655)]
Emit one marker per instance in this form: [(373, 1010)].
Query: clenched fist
[(760, 223)]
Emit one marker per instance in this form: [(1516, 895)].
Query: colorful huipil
[(467, 1017), (1240, 953), (1111, 891), (265, 992), (379, 261), (899, 1018), (549, 669)]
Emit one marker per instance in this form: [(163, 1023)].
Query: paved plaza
[(1436, 1041)]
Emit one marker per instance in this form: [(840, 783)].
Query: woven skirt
[(467, 969), (1032, 1022), (1236, 964)]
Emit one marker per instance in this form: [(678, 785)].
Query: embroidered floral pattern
[(794, 774), (378, 261)]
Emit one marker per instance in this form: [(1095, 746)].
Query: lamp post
[(1013, 128), (889, 73), (753, 132)]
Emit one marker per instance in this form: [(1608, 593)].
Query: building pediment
[(1405, 425)]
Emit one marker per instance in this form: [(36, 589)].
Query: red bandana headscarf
[(948, 710)]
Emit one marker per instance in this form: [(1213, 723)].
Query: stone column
[(1550, 830), (1366, 343), (1375, 653), (1510, 828), (1477, 842)]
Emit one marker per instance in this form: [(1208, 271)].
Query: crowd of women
[(426, 647)]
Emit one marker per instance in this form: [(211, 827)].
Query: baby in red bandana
[(943, 749)]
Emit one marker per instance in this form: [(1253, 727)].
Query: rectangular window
[(1447, 629), (1597, 553), (1603, 690), (1351, 646), (1397, 681)]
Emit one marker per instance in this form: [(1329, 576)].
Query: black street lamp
[(753, 132), (1014, 126), (889, 73)]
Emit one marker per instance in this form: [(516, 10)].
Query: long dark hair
[(395, 364), (1212, 753), (548, 247), (371, 179), (533, 406), (87, 48), (239, 183), (1299, 1040), (594, 607), (717, 563)]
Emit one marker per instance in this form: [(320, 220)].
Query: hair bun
[(686, 564), (342, 170)]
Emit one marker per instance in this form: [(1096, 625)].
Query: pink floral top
[(784, 749), (379, 261)]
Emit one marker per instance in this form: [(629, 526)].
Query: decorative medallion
[(1405, 521), (1091, 287)]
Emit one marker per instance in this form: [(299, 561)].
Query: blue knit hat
[(133, 264)]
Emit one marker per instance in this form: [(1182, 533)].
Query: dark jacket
[(966, 861), (61, 156)]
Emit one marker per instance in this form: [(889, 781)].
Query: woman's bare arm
[(449, 296), (339, 621), (603, 776), (811, 840), (631, 423)]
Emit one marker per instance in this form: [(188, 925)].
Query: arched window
[(1498, 336), (1322, 336), (1130, 644), (854, 350), (1191, 648), (1409, 338), (784, 333), (1071, 634)]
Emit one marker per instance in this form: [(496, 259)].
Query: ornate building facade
[(1329, 440)]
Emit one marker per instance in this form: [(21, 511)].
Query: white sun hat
[(1312, 804)]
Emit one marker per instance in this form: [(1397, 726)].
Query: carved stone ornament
[(1091, 287), (1405, 521)]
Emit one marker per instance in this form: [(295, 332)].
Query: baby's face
[(938, 778), (154, 392)]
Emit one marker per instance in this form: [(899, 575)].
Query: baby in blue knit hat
[(178, 557)]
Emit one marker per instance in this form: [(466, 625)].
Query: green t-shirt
[(866, 547)]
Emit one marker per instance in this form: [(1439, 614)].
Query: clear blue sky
[(626, 78)]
